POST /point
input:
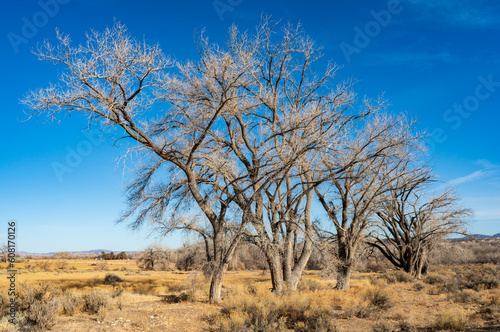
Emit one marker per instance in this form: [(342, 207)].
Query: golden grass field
[(375, 301)]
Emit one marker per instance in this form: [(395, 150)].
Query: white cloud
[(489, 171), (468, 178)]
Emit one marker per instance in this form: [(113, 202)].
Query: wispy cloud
[(488, 170), (465, 13)]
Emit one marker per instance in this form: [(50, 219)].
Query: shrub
[(397, 276), (433, 279), (379, 298), (382, 327), (4, 304), (266, 312), (477, 279), (405, 326), (70, 303), (39, 304), (451, 320), (111, 279), (183, 297), (42, 314), (355, 308), (419, 286), (466, 296), (95, 302), (311, 285), (235, 321)]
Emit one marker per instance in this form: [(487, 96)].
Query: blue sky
[(438, 61)]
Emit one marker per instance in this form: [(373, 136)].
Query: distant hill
[(478, 236), (87, 252)]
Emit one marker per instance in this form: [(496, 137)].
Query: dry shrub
[(71, 303), (357, 308), (42, 314), (399, 315), (479, 278), (111, 279), (267, 312), (233, 321), (311, 285), (397, 276), (465, 296), (379, 298), (4, 304), (405, 326), (382, 327), (183, 297), (491, 309), (453, 320), (39, 305), (419, 286), (433, 279), (95, 302)]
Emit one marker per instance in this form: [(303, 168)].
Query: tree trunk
[(298, 268), (215, 296), (343, 276), (421, 266), (345, 248), (288, 255), (276, 269)]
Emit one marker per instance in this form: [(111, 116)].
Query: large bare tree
[(291, 114), (360, 172), (116, 82), (413, 219)]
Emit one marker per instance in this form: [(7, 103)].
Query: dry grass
[(376, 301)]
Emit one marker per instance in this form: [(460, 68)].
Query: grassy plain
[(450, 298)]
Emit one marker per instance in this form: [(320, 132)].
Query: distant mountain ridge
[(85, 252), (479, 236)]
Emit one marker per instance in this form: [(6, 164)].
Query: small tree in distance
[(152, 258)]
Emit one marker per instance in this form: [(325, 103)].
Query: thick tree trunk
[(343, 276), (276, 269), (345, 248), (215, 296)]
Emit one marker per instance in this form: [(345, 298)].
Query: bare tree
[(114, 80), (413, 220), (4, 252), (153, 257), (360, 172), (289, 113)]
